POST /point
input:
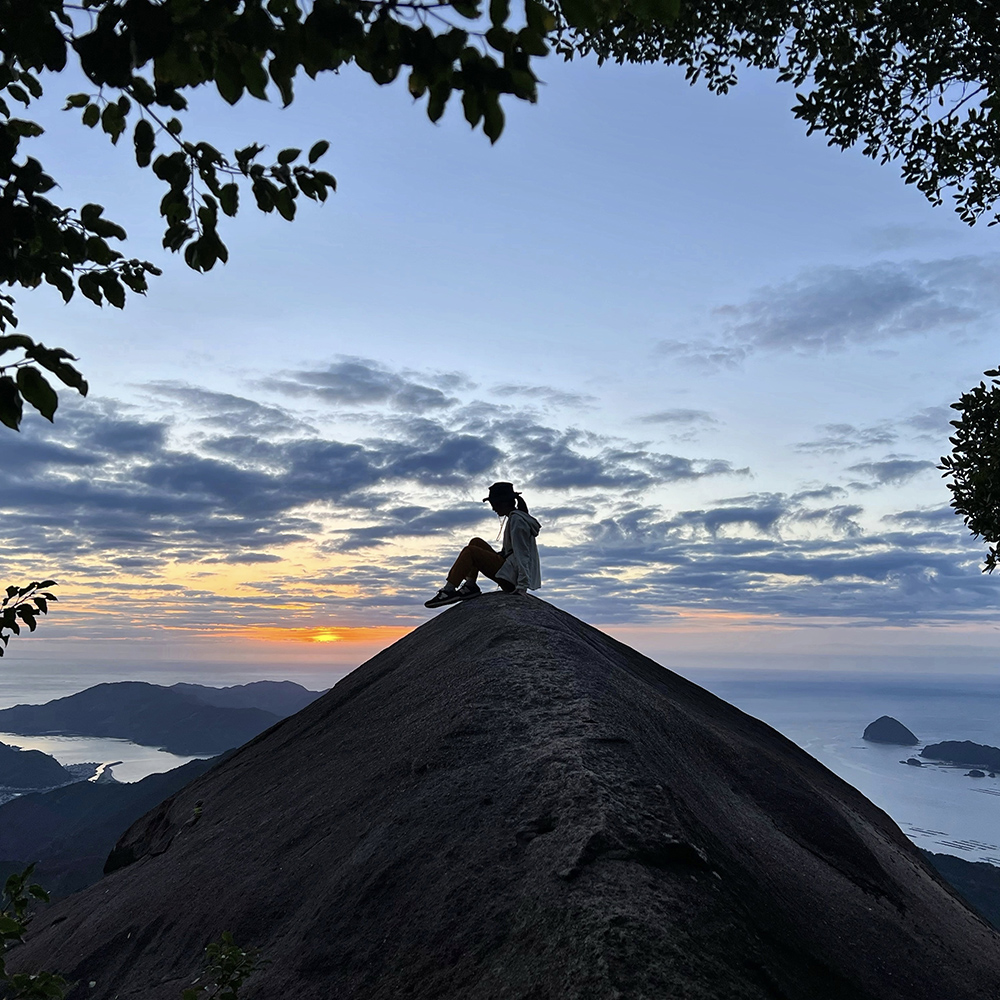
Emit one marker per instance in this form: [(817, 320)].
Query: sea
[(937, 806)]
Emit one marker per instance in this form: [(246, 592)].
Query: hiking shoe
[(446, 595), (467, 590)]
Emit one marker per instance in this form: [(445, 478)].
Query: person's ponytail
[(521, 505)]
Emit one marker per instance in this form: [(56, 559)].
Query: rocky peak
[(509, 804)]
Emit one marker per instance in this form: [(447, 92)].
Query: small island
[(889, 730), (964, 753)]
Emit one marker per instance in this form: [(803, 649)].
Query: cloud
[(901, 237), (361, 382), (704, 356), (847, 437), (223, 409), (833, 308), (678, 417), (121, 503), (247, 558), (924, 518), (544, 394), (546, 457), (140, 494), (890, 472), (933, 423), (772, 554)]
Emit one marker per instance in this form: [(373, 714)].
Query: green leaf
[(54, 361), (499, 12), (90, 216), (113, 122), (318, 150), (37, 391), (285, 204), (90, 287), (145, 142), (287, 156), (265, 193), (113, 289), (142, 91), (229, 198), (31, 83), (24, 128), (13, 341), (493, 118), (229, 80), (437, 100), (91, 115), (10, 403), (472, 107)]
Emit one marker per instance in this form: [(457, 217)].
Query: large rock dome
[(508, 804)]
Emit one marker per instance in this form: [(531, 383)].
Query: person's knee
[(477, 543)]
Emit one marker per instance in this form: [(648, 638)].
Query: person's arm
[(520, 542)]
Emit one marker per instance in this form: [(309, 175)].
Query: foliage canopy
[(22, 606), (907, 81), (15, 916), (974, 464)]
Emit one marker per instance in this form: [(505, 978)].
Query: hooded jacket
[(520, 566)]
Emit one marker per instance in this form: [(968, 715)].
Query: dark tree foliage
[(908, 81), (227, 967), (22, 606), (974, 464), (15, 915)]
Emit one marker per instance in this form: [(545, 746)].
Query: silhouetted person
[(515, 567)]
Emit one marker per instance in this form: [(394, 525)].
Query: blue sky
[(715, 354)]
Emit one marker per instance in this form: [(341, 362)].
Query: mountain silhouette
[(30, 769), (69, 831), (143, 713), (281, 698), (508, 804)]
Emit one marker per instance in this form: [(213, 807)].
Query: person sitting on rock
[(515, 568)]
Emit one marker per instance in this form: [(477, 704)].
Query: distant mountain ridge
[(179, 719), (69, 831), (30, 769), (283, 698)]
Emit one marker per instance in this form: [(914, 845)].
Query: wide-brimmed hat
[(501, 491)]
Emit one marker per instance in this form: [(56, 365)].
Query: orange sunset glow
[(381, 634)]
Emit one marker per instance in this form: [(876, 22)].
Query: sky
[(715, 354)]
